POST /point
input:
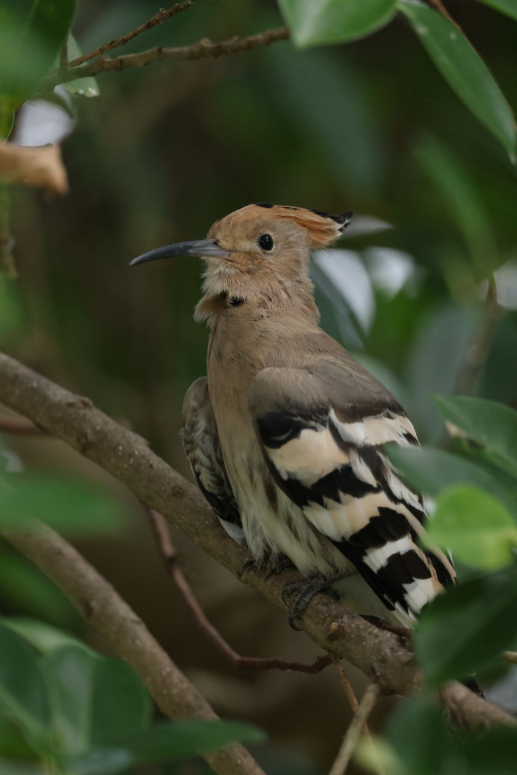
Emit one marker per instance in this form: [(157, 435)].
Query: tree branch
[(74, 419), (479, 347), (157, 19), (203, 49), (440, 7), (355, 729), (170, 557), (102, 607), (510, 656), (19, 427)]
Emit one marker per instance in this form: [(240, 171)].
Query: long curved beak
[(204, 248)]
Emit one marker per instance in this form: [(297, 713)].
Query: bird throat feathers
[(254, 297)]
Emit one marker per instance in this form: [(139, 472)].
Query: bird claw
[(303, 591), (247, 567), (282, 563)]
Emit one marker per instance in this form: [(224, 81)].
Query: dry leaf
[(41, 167)]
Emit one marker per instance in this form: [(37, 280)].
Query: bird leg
[(304, 590), (382, 624)]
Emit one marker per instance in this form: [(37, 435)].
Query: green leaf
[(429, 470), (508, 7), (13, 768), (316, 22), (464, 70), (84, 87), (106, 761), (31, 35), (23, 694), (467, 629), (463, 203), (188, 738), (25, 588), (475, 527), (69, 505), (489, 423), (420, 737), (490, 754), (95, 701), (42, 636), (13, 745)]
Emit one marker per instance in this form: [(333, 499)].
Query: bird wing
[(321, 428), (203, 450)]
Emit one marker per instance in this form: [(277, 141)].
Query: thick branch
[(203, 49), (157, 19), (128, 458), (103, 608)]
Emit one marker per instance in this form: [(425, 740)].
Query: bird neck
[(245, 300)]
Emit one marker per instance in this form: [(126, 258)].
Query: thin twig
[(6, 238), (19, 427), (103, 609), (510, 656), (354, 704), (479, 347), (157, 19), (347, 686), (170, 557), (203, 49), (355, 729), (439, 6), (63, 55)]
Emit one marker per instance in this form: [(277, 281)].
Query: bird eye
[(265, 242)]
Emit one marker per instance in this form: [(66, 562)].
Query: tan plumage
[(286, 433)]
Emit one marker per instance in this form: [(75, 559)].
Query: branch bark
[(102, 607), (156, 20), (74, 419), (203, 49)]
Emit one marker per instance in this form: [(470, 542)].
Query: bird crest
[(322, 228)]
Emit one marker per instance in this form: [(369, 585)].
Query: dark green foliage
[(86, 713)]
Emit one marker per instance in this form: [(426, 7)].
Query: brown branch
[(170, 557), (439, 6), (19, 427), (157, 19), (203, 49), (479, 347), (352, 699), (7, 263), (355, 730), (74, 419), (102, 607)]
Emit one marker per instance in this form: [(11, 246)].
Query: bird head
[(258, 236), (258, 248)]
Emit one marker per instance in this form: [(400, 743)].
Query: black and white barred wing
[(203, 450), (324, 453)]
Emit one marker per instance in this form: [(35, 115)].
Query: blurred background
[(160, 155)]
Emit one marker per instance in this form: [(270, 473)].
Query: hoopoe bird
[(285, 434)]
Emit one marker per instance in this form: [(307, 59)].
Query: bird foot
[(302, 592), (382, 624)]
